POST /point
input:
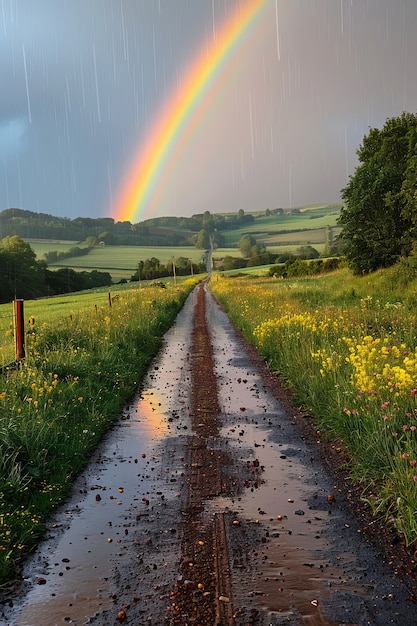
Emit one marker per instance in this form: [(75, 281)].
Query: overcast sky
[(83, 81)]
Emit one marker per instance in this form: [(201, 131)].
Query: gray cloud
[(83, 82)]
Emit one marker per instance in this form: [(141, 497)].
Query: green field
[(279, 233), (307, 225), (119, 261), (57, 308), (41, 247)]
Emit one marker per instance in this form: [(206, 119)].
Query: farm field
[(299, 238), (307, 227), (41, 247), (347, 347), (122, 261), (296, 226)]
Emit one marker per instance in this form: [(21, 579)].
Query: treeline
[(53, 255), (152, 268), (206, 221), (30, 225), (161, 231), (22, 276), (301, 267), (305, 262)]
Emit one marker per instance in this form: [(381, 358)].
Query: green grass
[(42, 247), (52, 310), (83, 363), (267, 229), (316, 237), (122, 261), (258, 270), (347, 347)]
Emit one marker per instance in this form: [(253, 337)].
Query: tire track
[(204, 593)]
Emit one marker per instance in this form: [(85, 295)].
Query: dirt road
[(207, 505)]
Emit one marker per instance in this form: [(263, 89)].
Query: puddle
[(76, 570), (68, 579), (300, 565), (297, 565)]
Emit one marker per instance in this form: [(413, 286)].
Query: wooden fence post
[(19, 329)]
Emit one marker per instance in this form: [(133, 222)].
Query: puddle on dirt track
[(310, 567), (70, 578), (294, 552)]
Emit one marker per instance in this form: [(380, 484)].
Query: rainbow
[(171, 125)]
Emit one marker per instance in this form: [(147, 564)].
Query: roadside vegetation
[(340, 330), (347, 348), (83, 363)]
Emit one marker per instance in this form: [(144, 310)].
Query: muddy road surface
[(208, 504)]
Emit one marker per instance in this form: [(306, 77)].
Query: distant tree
[(245, 245), (307, 252), (258, 249), (182, 265), (106, 237), (151, 268), (232, 263), (67, 280), (51, 256), (96, 279), (379, 218), (249, 247), (284, 257), (265, 258), (91, 241), (202, 241)]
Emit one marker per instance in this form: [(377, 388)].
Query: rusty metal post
[(19, 329)]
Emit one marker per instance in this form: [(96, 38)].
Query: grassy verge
[(80, 369), (348, 349)]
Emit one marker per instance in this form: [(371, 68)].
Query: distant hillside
[(271, 227)]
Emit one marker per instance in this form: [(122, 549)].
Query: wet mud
[(208, 504)]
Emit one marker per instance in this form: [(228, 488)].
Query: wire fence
[(48, 310)]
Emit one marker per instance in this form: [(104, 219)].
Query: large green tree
[(378, 214)]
